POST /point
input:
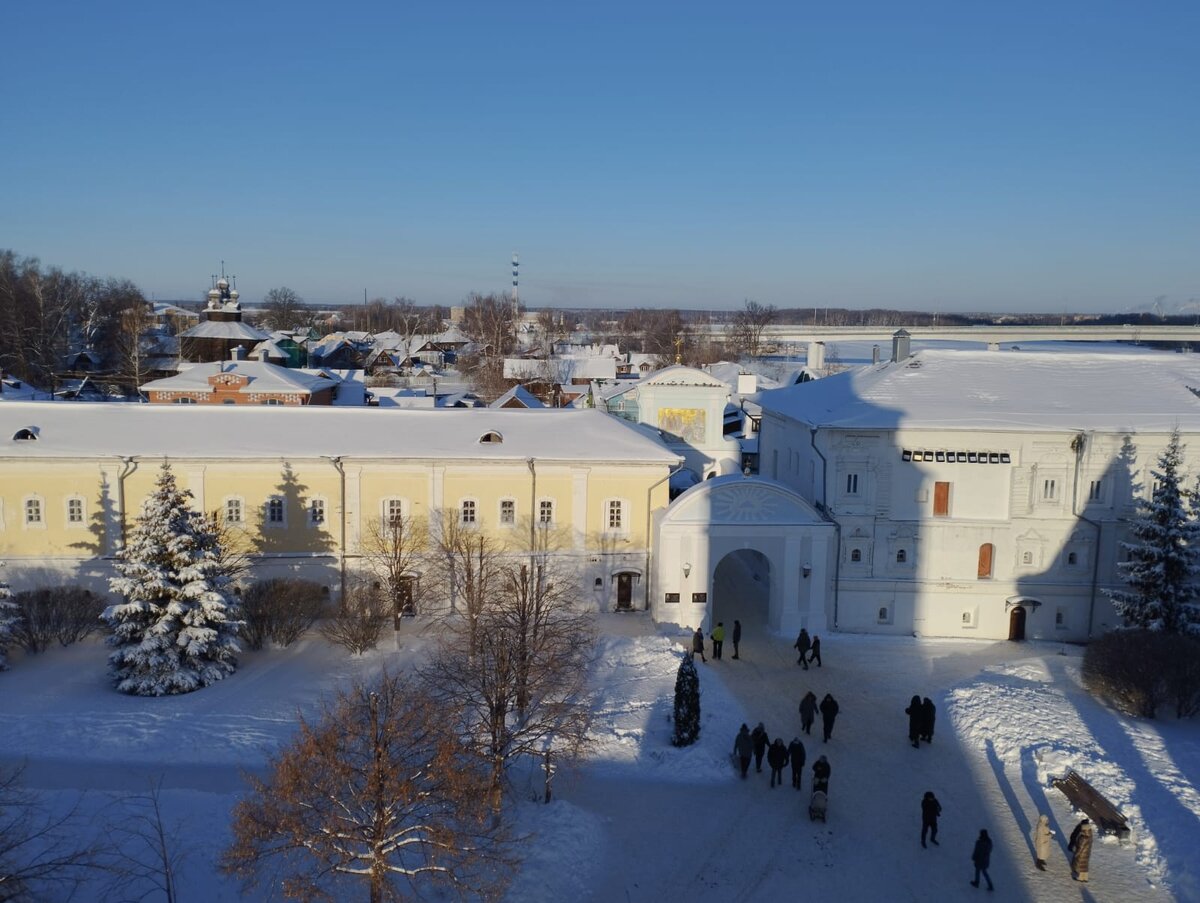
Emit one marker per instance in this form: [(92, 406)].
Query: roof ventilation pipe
[(901, 345)]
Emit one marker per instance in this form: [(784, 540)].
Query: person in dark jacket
[(808, 711), (761, 741), (796, 756), (698, 644), (914, 713), (928, 717), (777, 758), (743, 748), (737, 636), (1081, 847), (982, 857), (829, 711), (821, 775), (802, 645), (718, 640), (815, 655), (930, 810)]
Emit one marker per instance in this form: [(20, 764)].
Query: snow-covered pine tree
[(687, 704), (175, 631), (1162, 564), (8, 619)]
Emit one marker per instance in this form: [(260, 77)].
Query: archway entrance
[(1016, 623), (741, 590)]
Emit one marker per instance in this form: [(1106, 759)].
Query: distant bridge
[(795, 333)]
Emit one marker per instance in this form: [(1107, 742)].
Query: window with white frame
[(75, 511), (508, 512), (1049, 489), (33, 512), (316, 512), (546, 512), (275, 512), (467, 513), (234, 511), (1095, 490), (851, 484), (614, 518), (393, 512)]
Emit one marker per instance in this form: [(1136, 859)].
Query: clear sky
[(945, 155)]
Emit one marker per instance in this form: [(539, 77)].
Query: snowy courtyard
[(643, 821)]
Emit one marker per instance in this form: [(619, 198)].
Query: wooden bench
[(1086, 798)]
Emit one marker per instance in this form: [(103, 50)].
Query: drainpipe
[(837, 528), (336, 461), (1078, 444), (649, 542), (533, 509), (128, 466)]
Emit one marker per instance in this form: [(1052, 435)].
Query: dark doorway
[(404, 600), (741, 590), (624, 591), (1016, 623)]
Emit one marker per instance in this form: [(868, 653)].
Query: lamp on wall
[(687, 568), (806, 570)]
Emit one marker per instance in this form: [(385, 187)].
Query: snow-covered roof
[(263, 377), (520, 394), (1004, 390), (224, 329), (679, 375), (272, 349), (253, 431)]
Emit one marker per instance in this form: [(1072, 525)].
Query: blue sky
[(944, 156)]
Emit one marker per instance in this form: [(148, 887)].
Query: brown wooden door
[(986, 552), (624, 591), (1016, 624)]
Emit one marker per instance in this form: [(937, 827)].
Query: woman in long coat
[(1081, 845), (915, 714), (1041, 841)]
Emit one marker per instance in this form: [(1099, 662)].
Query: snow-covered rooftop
[(253, 431), (263, 377), (224, 329), (1005, 390)]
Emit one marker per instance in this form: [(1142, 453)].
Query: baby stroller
[(817, 805)]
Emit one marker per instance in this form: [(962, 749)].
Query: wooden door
[(1016, 624), (624, 591)]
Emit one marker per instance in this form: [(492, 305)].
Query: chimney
[(901, 345), (238, 353), (874, 354), (816, 356)]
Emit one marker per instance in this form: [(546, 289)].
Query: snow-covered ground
[(643, 821)]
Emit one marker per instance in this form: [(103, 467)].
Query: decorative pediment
[(740, 500)]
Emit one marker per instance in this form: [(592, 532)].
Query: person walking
[(1081, 846), (808, 711), (815, 655), (821, 775), (796, 756), (761, 740), (777, 758), (982, 857), (698, 644), (914, 721), (829, 712), (737, 636), (743, 747), (718, 640), (1041, 841), (802, 645), (928, 716), (930, 810)]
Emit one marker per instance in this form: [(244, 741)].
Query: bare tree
[(489, 321), (467, 565), (133, 343), (232, 550), (747, 326), (379, 791), (358, 622), (284, 309), (396, 551), (146, 852)]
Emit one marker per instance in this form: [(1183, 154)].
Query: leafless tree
[(146, 851), (747, 326), (358, 622), (378, 791), (284, 309), (396, 551), (133, 342), (233, 547), (466, 567)]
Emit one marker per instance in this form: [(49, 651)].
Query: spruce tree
[(175, 631), (687, 703), (9, 613), (1162, 560)]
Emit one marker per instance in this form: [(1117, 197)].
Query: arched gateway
[(743, 546)]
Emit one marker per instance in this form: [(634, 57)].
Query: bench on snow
[(1085, 797)]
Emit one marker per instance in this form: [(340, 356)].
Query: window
[(1049, 489), (1072, 559), (941, 499), (901, 556), (856, 555), (972, 458), (1060, 619), (393, 512), (75, 511), (316, 512), (1094, 491), (987, 554), (33, 512), (940, 456), (184, 399), (508, 512), (275, 511), (1026, 558), (467, 512), (906, 455), (967, 619), (233, 511), (491, 437), (699, 598), (229, 401), (851, 484), (616, 515), (884, 615), (267, 401), (546, 512), (25, 434)]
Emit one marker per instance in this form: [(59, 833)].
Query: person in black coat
[(821, 775), (796, 756), (928, 716), (777, 758), (914, 713), (815, 655), (698, 644), (737, 636), (808, 711), (982, 857), (761, 740), (743, 748), (802, 645), (930, 810), (829, 711)]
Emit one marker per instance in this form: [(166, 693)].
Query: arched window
[(901, 556), (987, 553), (491, 436), (856, 554), (25, 435)]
